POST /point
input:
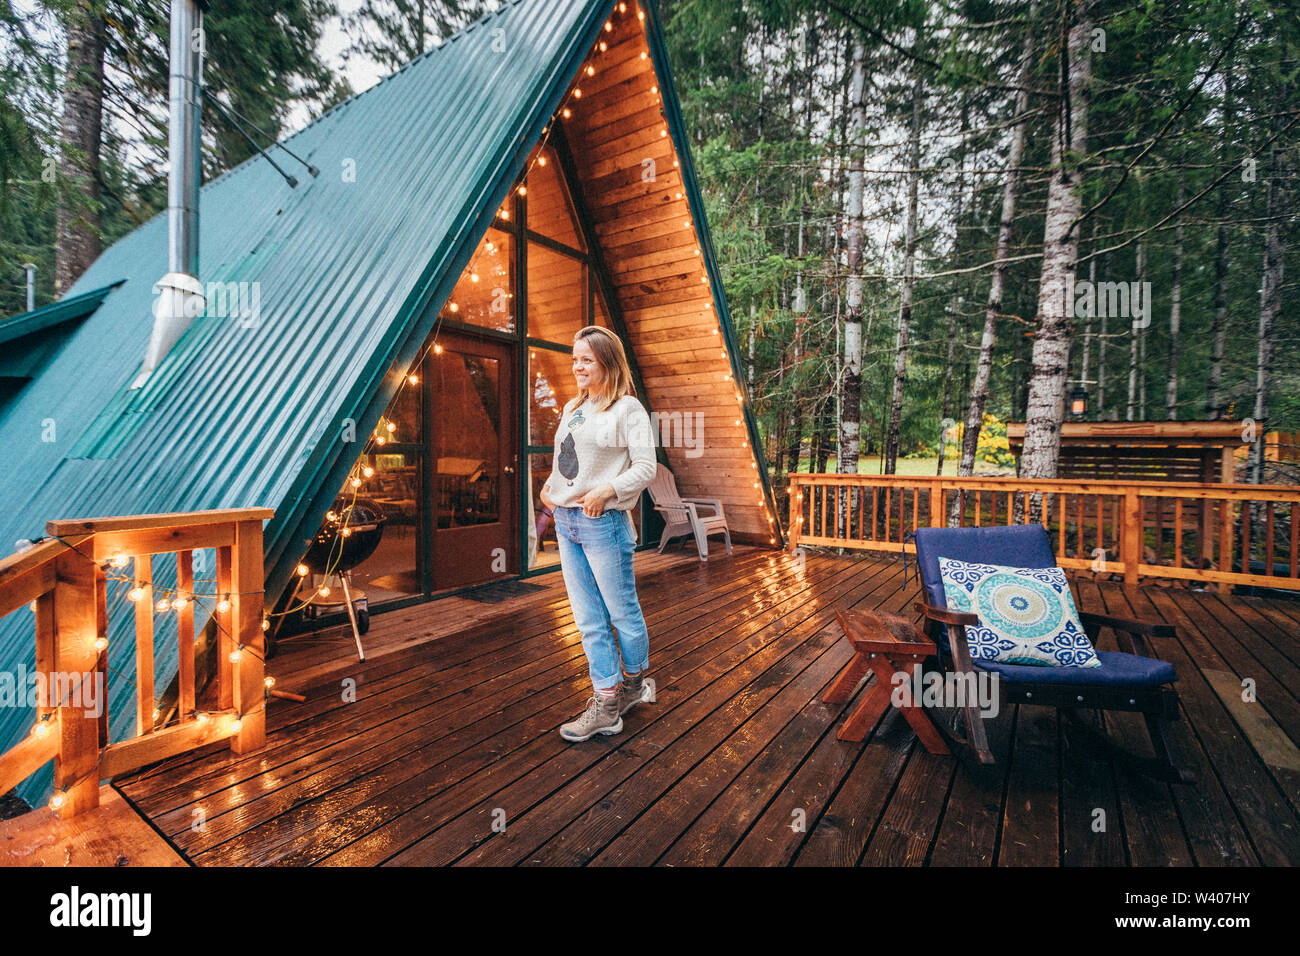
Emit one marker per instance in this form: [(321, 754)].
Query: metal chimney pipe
[(180, 293), (31, 285), (184, 137)]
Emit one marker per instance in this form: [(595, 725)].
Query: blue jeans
[(596, 559)]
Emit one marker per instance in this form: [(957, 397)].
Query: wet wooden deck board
[(451, 737)]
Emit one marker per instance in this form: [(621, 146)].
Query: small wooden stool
[(885, 644)]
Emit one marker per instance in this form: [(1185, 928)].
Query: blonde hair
[(609, 352)]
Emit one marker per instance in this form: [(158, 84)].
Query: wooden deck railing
[(1232, 534), (64, 580)]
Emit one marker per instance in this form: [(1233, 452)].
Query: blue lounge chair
[(1131, 680)]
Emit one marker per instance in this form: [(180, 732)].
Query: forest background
[(931, 217)]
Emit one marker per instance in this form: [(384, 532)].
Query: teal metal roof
[(352, 267), (56, 313)]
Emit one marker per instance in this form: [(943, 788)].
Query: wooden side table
[(885, 644)]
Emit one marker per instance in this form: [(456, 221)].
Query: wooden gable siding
[(655, 262)]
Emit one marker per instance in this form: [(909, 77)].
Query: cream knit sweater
[(593, 448)]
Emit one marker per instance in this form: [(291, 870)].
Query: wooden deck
[(452, 736)]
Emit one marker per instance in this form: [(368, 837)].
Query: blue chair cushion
[(1116, 670)]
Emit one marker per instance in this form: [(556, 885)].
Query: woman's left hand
[(593, 502)]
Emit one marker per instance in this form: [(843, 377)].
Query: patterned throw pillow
[(1027, 615)]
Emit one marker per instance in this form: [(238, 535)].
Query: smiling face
[(586, 369)]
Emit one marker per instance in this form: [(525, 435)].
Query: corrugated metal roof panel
[(245, 413)]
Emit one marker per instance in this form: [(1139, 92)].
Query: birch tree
[(1051, 353)]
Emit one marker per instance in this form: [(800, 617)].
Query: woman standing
[(604, 458)]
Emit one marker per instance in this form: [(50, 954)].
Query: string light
[(136, 594), (101, 643)]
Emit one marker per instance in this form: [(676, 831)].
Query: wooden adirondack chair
[(682, 515), (1130, 680)]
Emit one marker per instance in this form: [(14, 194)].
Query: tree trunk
[(850, 441), (1175, 314), (1214, 404), (909, 272), (979, 391), (955, 302), (1270, 296), (1135, 335), (1045, 407), (77, 243), (1085, 360)]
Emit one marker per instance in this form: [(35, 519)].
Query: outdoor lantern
[(1078, 402)]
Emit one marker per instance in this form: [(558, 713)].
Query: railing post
[(936, 505), (1130, 544), (76, 658), (796, 516), (249, 694)]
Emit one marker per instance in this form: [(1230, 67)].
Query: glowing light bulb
[(235, 724), (324, 590), (454, 307), (413, 379), (663, 132), (331, 516), (56, 801), (118, 560), (303, 570), (437, 350), (136, 594), (644, 54), (381, 440), (392, 427), (236, 654), (266, 625), (163, 605), (179, 603), (608, 26), (40, 728), (591, 71), (654, 89), (567, 112), (473, 277), (223, 605), (603, 46), (269, 681), (368, 471), (356, 482), (346, 532), (201, 717)]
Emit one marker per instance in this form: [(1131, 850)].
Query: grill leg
[(352, 615)]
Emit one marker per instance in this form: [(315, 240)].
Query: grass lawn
[(871, 465)]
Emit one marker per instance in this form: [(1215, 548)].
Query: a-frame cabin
[(399, 326)]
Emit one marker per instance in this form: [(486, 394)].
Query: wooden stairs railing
[(63, 578), (1221, 533)]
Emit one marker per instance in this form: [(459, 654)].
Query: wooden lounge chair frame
[(1158, 705)]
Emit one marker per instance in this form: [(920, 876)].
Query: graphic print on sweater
[(568, 452)]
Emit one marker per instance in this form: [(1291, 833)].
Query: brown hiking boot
[(600, 717), (637, 689)]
